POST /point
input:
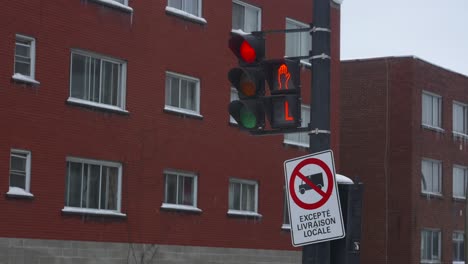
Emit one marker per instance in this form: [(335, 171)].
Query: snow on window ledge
[(19, 192), (115, 4), (437, 129), (97, 105), (243, 213), (76, 210), (180, 207), (25, 79), (459, 135), (286, 227), (184, 14), (182, 111)]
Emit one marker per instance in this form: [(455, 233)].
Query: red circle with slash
[(325, 194)]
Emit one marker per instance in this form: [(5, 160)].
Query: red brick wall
[(147, 140), (389, 164)]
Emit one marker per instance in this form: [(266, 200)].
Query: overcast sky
[(433, 30)]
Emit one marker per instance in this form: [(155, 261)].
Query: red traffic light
[(248, 48)]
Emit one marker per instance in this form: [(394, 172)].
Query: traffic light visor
[(247, 48)]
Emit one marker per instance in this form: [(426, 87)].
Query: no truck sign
[(314, 205)]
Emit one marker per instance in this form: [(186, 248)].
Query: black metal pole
[(319, 107)]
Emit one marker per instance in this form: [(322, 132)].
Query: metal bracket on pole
[(321, 56), (317, 29), (319, 131)]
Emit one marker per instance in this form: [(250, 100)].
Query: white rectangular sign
[(313, 199)]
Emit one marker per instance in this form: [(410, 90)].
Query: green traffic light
[(247, 118)]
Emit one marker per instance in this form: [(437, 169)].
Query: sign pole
[(319, 107)]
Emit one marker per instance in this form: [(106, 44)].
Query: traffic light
[(283, 107), (249, 81)]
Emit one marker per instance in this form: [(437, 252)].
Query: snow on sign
[(314, 204)]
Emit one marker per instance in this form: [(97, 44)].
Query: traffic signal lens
[(247, 86), (247, 118), (247, 52)]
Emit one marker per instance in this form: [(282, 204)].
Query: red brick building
[(116, 139), (403, 131)]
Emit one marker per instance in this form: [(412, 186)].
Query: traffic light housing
[(249, 81), (283, 107)]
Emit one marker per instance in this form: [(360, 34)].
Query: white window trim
[(259, 17), (17, 191), (187, 15), (243, 212), (439, 246), (117, 211), (463, 234), (457, 133), (304, 62), (115, 4), (430, 126), (21, 77), (123, 80), (296, 143), (453, 193), (170, 108), (441, 179), (193, 207), (231, 119)]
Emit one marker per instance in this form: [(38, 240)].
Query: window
[(97, 80), (301, 138), (25, 59), (180, 190), (93, 185), (431, 110), (299, 43), (245, 17), (431, 180), (182, 93), (234, 96), (192, 7), (20, 172), (459, 181), (243, 195), (458, 246), (430, 246), (460, 119)]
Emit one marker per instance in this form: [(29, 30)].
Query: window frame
[(440, 172), (178, 206), (438, 126), (298, 24), (304, 123), (184, 111), (432, 260), (18, 191), (465, 178), (234, 212), (456, 241), (246, 5), (234, 95), (84, 210), (120, 107), (18, 76), (464, 107), (185, 14)]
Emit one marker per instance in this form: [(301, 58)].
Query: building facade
[(117, 146), (403, 133)]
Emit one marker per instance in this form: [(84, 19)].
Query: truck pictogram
[(316, 179)]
